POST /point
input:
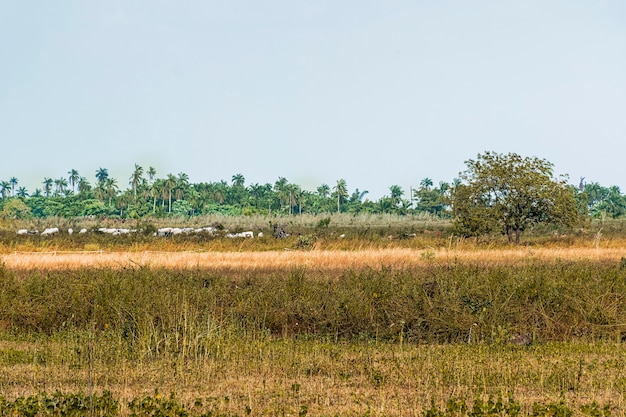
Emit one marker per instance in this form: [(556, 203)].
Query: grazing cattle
[(50, 231), (115, 232), (82, 231), (70, 231), (164, 231), (245, 235), (208, 229), (22, 232), (260, 235)]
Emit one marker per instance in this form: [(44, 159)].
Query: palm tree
[(73, 178), (151, 174), (83, 185), (182, 183), (5, 186), (238, 180), (13, 181), (282, 189), (101, 175), (396, 194), (255, 189), (426, 183), (110, 186), (341, 192), (157, 190), (135, 179), (47, 186), (170, 183), (323, 190), (60, 183), (21, 192)]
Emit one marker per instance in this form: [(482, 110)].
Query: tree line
[(150, 195)]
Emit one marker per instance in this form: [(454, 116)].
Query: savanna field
[(380, 316)]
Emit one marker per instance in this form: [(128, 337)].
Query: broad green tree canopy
[(507, 193)]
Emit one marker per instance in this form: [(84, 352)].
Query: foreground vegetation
[(370, 341), (393, 318)]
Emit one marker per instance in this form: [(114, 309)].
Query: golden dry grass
[(277, 377), (316, 259)]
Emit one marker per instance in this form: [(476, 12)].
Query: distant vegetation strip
[(315, 259)]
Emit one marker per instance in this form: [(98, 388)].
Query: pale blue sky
[(375, 92)]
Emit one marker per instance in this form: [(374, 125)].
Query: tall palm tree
[(5, 186), (396, 194), (182, 183), (47, 186), (110, 186), (83, 185), (323, 190), (73, 178), (151, 174), (255, 189), (13, 181), (281, 186), (101, 175), (60, 183), (135, 179), (238, 180), (170, 183), (341, 192)]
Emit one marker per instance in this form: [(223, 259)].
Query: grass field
[(357, 326)]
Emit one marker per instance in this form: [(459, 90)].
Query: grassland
[(316, 324)]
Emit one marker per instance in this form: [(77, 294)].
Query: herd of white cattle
[(164, 231)]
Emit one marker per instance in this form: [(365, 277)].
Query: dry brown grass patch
[(316, 259)]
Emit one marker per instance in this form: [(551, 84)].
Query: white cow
[(245, 235), (82, 231), (22, 232), (50, 231)]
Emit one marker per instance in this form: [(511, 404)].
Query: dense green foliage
[(508, 194), (176, 195)]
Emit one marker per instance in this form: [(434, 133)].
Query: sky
[(378, 93)]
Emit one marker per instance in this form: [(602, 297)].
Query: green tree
[(170, 184), (396, 193), (101, 175), (13, 181), (47, 186), (22, 192), (135, 179), (73, 179), (238, 180), (508, 193), (5, 186), (83, 185), (110, 187), (341, 192), (60, 184), (15, 209)]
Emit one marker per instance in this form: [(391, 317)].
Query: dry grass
[(315, 259), (278, 377)]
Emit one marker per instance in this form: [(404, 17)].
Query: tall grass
[(371, 341), (164, 309)]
